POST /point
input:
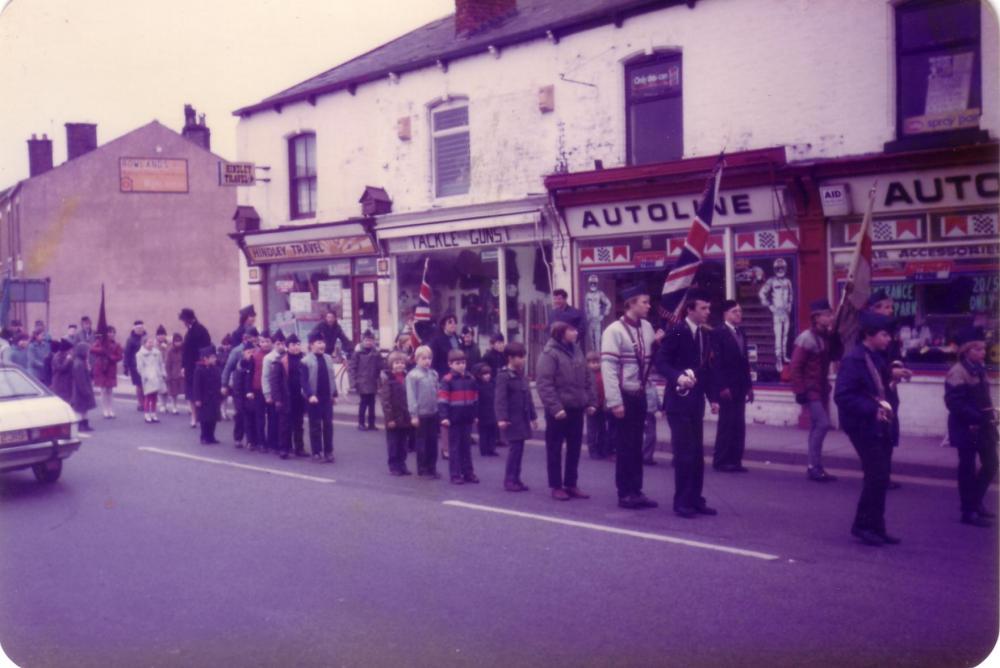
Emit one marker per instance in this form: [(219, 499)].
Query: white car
[(37, 428)]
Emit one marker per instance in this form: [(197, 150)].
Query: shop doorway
[(364, 314)]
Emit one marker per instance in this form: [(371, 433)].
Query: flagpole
[(856, 260)]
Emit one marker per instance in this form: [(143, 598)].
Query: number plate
[(8, 437)]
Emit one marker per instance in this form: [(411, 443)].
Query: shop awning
[(456, 219)]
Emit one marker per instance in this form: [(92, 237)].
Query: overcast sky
[(122, 63)]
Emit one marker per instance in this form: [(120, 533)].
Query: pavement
[(154, 550), (919, 456)]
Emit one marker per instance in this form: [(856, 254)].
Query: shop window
[(302, 175), (300, 293), (767, 292), (654, 109), (466, 283), (451, 151), (938, 66)]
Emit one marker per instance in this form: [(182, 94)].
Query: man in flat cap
[(731, 388), (810, 373), (626, 361), (972, 425), (882, 303), (682, 360), (866, 417)]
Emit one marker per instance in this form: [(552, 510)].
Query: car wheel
[(48, 472)]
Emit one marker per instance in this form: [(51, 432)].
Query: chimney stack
[(39, 155), (472, 16), (195, 129), (80, 138)]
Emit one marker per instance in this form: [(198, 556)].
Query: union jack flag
[(679, 278), (422, 312)]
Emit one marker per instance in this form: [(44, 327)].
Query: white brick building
[(461, 120)]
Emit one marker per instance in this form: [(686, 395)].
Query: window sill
[(302, 216), (932, 140)]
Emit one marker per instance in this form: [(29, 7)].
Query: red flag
[(423, 310)]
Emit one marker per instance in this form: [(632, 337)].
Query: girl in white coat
[(149, 363)]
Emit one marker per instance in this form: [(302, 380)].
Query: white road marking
[(615, 530), (84, 436), (236, 465)]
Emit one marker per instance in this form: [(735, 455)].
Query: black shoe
[(646, 502), (888, 539), (982, 512), (705, 510), (649, 462), (819, 475), (284, 455), (685, 512), (405, 472), (893, 485), (631, 502), (975, 520), (867, 536)]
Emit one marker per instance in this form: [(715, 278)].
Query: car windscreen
[(15, 384)]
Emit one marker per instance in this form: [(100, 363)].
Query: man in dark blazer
[(867, 417), (682, 360), (197, 337), (730, 389)]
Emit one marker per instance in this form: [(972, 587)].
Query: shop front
[(307, 271), (631, 229), (488, 265), (936, 251)]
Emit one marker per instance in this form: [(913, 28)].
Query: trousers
[(427, 444), (731, 434), (689, 459), (460, 449), (569, 430), (972, 485), (366, 405), (628, 438), (395, 441), (874, 451), (321, 428)]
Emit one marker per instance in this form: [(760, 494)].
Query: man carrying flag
[(682, 359)]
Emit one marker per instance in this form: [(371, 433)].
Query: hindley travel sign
[(661, 214), (314, 248)]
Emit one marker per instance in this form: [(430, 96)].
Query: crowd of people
[(434, 394)]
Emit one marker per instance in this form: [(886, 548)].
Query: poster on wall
[(300, 302), (767, 292), (329, 291)]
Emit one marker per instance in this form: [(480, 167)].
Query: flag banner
[(422, 312), (102, 318), (679, 278), (859, 281)]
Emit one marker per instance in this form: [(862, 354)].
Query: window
[(450, 137), (939, 83), (302, 175), (654, 110)]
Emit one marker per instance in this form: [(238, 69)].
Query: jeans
[(874, 451), (395, 441), (972, 486), (513, 470), (460, 450), (239, 428), (570, 430), (367, 405), (597, 434), (488, 434), (250, 422), (321, 428), (820, 418), (427, 444)]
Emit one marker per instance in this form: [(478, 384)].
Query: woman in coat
[(82, 393), (106, 354), (62, 369), (153, 376), (566, 389)]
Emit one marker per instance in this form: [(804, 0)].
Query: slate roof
[(436, 41)]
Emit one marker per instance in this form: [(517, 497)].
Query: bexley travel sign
[(646, 216), (237, 174)]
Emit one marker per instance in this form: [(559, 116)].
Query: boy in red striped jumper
[(458, 407)]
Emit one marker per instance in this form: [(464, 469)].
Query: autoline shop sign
[(647, 216)]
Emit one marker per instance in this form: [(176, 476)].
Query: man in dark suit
[(730, 389), (867, 416), (682, 360)]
